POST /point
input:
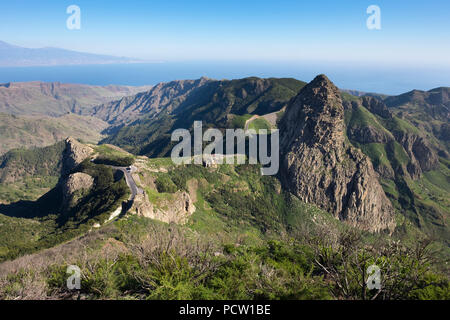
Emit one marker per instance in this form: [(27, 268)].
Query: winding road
[(135, 190)]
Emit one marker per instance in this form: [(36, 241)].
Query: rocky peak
[(315, 115), (74, 153), (321, 168)]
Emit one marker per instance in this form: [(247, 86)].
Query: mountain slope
[(434, 103), (178, 104), (256, 239), (162, 97), (27, 174), (247, 239), (67, 196), (55, 99), (40, 131), (412, 163), (428, 111)]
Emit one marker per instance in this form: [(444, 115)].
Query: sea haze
[(388, 80)]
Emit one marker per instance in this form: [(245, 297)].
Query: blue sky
[(413, 32)]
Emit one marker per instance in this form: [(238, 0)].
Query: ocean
[(368, 78)]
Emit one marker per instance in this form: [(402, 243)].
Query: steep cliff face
[(423, 157), (74, 154), (376, 106), (320, 167), (363, 132), (175, 209), (369, 121), (75, 186)]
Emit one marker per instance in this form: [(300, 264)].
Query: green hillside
[(223, 231), (217, 104), (248, 239), (33, 199), (422, 200)]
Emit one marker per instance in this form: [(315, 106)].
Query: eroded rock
[(320, 167), (176, 208), (74, 154), (77, 183)]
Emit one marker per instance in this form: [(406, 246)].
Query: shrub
[(165, 184)]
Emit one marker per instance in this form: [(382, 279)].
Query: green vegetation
[(26, 174), (377, 153), (160, 262), (108, 155), (108, 193), (247, 239), (28, 188), (361, 117), (45, 222), (29, 162), (423, 201), (260, 123), (164, 184), (431, 198), (156, 163), (401, 125), (238, 122), (219, 104), (348, 97)]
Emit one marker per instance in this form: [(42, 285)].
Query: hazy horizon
[(363, 78)]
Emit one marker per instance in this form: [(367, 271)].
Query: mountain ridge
[(55, 98), (16, 56)]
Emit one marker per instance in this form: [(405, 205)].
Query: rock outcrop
[(422, 156), (75, 183), (376, 106), (74, 154), (74, 186), (320, 167), (175, 209), (368, 134)]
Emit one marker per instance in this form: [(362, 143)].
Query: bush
[(115, 161), (164, 184)]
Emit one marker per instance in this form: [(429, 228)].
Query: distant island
[(15, 56)]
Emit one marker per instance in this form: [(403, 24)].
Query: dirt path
[(250, 120)]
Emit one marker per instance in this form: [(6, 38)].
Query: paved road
[(130, 181)]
